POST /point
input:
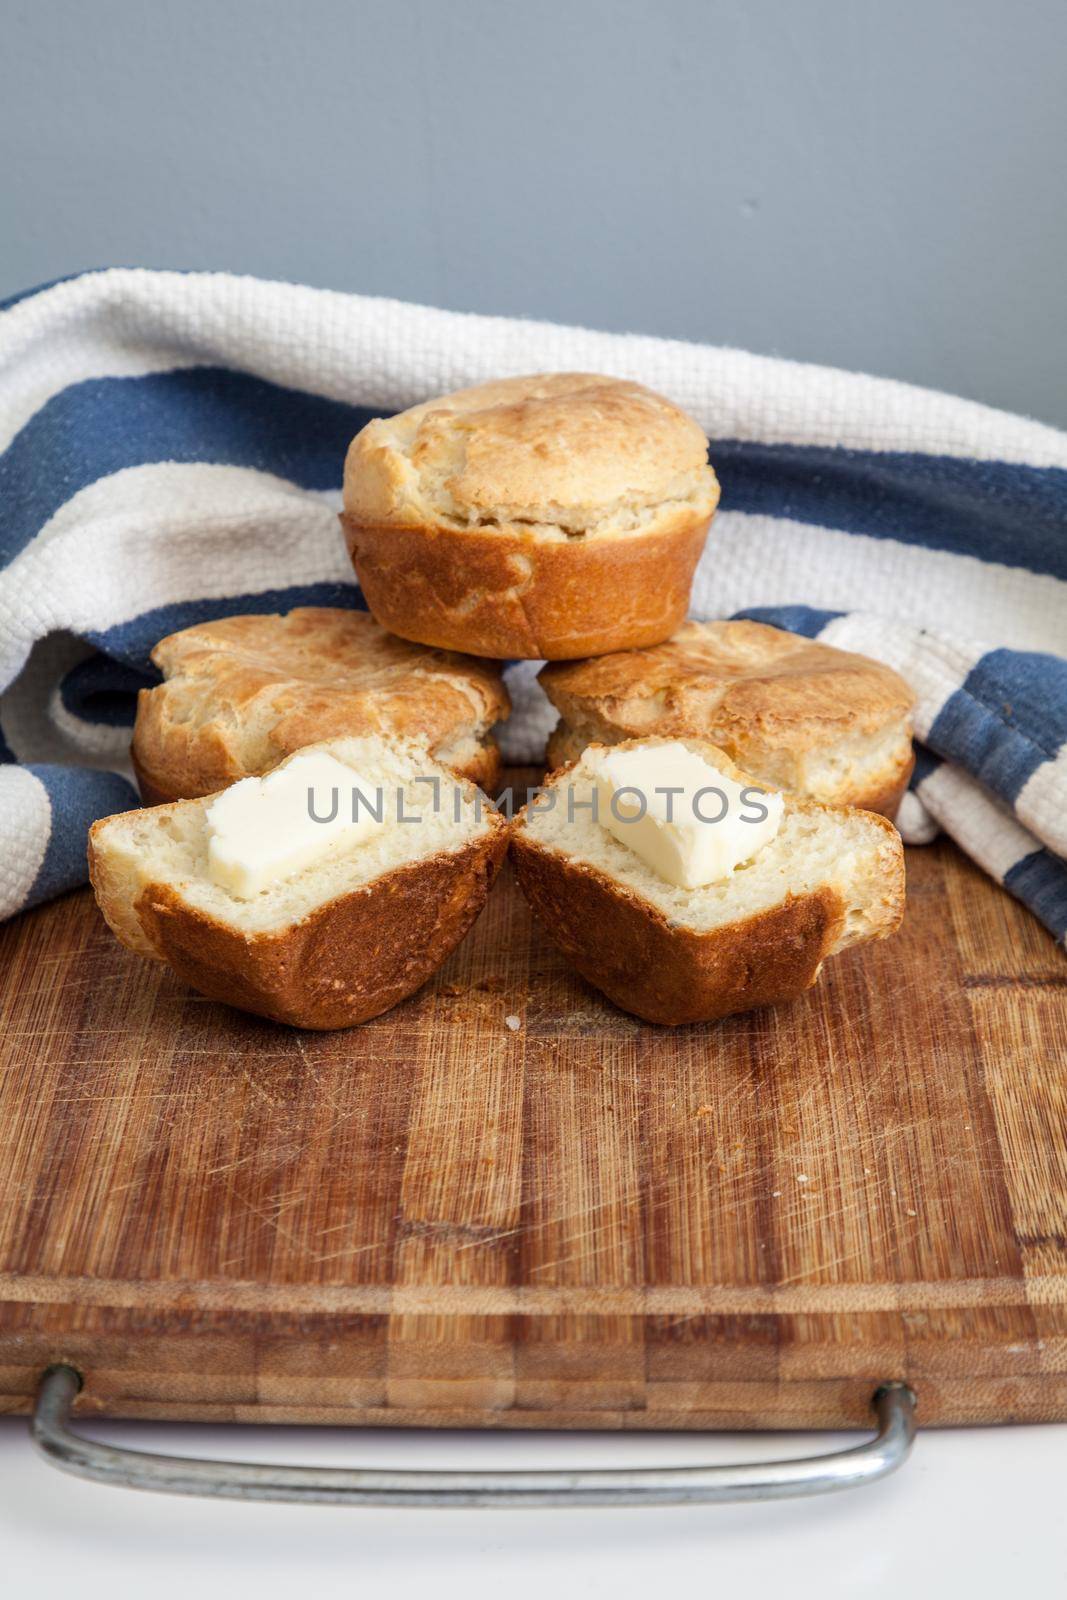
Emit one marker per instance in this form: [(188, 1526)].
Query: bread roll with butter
[(243, 692), (552, 516), (794, 713), (237, 893), (821, 879)]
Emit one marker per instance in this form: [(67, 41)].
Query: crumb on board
[(512, 1022)]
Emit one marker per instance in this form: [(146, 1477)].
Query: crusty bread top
[(245, 691), (558, 454), (168, 845), (856, 853), (747, 675)]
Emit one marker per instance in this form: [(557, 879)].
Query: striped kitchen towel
[(171, 449)]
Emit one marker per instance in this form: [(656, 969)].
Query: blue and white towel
[(171, 449)]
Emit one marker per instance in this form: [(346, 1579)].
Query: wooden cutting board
[(587, 1222)]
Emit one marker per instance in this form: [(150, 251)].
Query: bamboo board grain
[(585, 1223)]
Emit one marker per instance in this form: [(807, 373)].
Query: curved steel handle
[(893, 1403)]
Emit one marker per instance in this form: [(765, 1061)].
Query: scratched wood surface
[(587, 1222)]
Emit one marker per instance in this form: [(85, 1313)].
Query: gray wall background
[(877, 184)]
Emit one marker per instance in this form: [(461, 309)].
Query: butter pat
[(261, 830), (686, 820)]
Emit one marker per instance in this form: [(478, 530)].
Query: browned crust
[(578, 451), (244, 692), (668, 974), (484, 768), (348, 961), (741, 670), (496, 592), (562, 747), (776, 702), (150, 792), (882, 798)]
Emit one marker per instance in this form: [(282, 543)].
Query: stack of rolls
[(558, 517)]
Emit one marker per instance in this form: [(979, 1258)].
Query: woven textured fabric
[(171, 448)]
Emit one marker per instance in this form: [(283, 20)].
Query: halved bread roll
[(244, 692), (831, 878), (554, 516), (328, 946), (795, 713)]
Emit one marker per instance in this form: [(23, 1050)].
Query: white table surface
[(974, 1512)]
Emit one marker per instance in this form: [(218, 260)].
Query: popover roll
[(555, 516), (242, 693), (319, 895), (632, 910), (795, 713)]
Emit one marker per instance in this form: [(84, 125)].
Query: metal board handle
[(892, 1403)]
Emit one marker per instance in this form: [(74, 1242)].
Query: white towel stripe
[(385, 354), (755, 560), (25, 828)]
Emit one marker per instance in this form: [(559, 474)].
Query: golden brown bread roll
[(832, 877), (551, 516), (795, 713), (333, 943), (243, 692)]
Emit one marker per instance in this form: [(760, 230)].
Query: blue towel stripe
[(1008, 717), (132, 642), (78, 796), (194, 414), (997, 754), (995, 510), (1039, 880), (1027, 690), (103, 691), (925, 763), (794, 619)]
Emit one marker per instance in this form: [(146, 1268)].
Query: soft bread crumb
[(853, 852), (837, 770), (168, 845)]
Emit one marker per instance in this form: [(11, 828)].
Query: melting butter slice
[(261, 830), (692, 836)]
